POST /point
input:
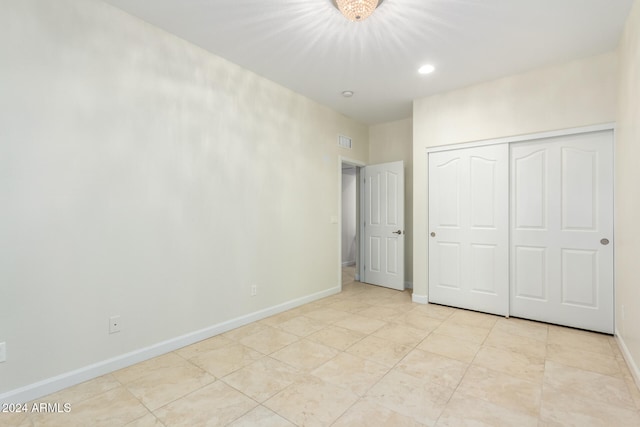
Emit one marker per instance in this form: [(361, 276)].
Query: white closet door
[(562, 230), (468, 225)]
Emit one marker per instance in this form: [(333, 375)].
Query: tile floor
[(367, 357)]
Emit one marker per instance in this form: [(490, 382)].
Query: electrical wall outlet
[(254, 290), (3, 352), (114, 324)]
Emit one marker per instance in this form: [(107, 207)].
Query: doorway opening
[(349, 222)]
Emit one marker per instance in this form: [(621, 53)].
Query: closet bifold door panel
[(562, 230), (469, 228)]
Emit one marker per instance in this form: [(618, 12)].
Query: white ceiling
[(309, 47)]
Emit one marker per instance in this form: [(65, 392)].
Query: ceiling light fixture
[(426, 69), (357, 10), (347, 93)]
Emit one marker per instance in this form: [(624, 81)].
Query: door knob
[(433, 234), (604, 242), (397, 232)]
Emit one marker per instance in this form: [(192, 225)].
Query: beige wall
[(628, 193), (145, 177), (390, 142)]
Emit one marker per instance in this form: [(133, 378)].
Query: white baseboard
[(68, 379), (633, 367), (420, 299)]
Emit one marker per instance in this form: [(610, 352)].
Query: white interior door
[(384, 224), (469, 228), (562, 230)]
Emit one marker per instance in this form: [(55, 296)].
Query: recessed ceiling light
[(426, 69), (347, 93)]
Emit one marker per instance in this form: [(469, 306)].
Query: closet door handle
[(604, 242), (433, 234)]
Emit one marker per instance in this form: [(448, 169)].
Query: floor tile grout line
[(457, 387)]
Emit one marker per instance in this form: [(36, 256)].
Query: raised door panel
[(483, 269), (448, 266), (392, 251), (530, 273), (579, 189), (530, 184), (448, 193), (374, 205), (580, 278), (483, 192), (392, 186), (374, 254)]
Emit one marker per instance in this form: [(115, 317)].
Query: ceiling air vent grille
[(344, 142)]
